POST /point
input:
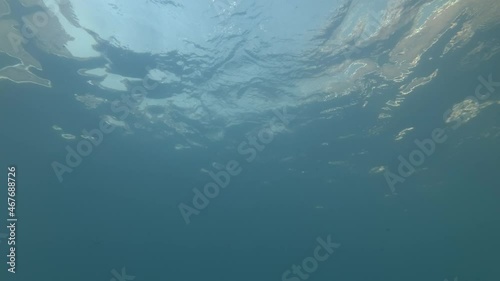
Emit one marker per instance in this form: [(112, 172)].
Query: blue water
[(120, 207)]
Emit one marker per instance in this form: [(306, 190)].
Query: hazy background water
[(119, 208)]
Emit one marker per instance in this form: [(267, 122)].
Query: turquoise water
[(284, 144)]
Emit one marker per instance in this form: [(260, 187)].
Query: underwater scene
[(249, 140)]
